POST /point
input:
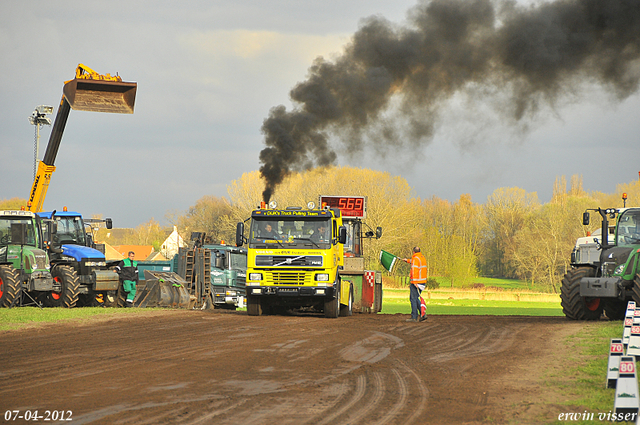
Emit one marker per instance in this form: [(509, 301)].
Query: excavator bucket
[(100, 95), (163, 289)]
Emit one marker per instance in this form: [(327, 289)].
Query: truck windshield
[(294, 232), (629, 228), (70, 230), (237, 261), (11, 231)]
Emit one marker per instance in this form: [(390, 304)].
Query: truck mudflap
[(163, 289), (600, 287), (105, 280)]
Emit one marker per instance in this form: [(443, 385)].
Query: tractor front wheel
[(67, 279), (573, 305), (9, 285)]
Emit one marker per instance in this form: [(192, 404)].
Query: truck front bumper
[(601, 287), (291, 291)]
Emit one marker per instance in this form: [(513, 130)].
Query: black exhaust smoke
[(531, 55)]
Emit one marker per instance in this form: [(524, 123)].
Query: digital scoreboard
[(350, 206)]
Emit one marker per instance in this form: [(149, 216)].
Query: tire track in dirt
[(195, 367)]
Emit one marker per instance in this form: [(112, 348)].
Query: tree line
[(511, 235)]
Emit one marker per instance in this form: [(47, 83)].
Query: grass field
[(456, 301), (471, 303)]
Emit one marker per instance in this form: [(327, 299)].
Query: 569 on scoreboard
[(350, 206)]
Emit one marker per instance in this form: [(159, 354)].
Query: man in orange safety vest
[(418, 279)]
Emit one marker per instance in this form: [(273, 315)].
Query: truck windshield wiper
[(308, 239)]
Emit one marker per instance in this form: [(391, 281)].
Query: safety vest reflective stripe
[(418, 268)]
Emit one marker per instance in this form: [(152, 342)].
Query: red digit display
[(350, 206)]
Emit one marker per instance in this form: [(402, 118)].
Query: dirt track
[(213, 367)]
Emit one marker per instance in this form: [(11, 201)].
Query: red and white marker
[(626, 401), (616, 351)]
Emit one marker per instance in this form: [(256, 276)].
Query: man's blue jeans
[(414, 298)]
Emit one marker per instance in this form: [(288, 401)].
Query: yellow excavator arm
[(89, 91)]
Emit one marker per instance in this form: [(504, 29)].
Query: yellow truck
[(294, 258)]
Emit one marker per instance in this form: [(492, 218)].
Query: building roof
[(111, 253), (142, 252)]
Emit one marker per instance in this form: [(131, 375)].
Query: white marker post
[(626, 332), (616, 351), (626, 401), (634, 342), (631, 306)]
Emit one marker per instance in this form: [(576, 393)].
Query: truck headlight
[(619, 269), (255, 276), (322, 277)]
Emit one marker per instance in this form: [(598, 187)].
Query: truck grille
[(241, 280), (288, 278), (289, 260)]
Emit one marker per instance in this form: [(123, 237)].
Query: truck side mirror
[(585, 218), (378, 232), (240, 234), (219, 260), (342, 235), (109, 223)]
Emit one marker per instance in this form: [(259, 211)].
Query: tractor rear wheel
[(573, 305), (636, 289), (9, 285), (67, 279)]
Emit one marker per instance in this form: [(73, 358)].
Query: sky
[(208, 73)]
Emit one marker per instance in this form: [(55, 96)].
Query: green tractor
[(605, 274), (26, 276)]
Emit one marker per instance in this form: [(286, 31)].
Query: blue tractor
[(99, 284)]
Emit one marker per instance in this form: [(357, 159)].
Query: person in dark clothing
[(321, 234), (128, 271), (269, 233)]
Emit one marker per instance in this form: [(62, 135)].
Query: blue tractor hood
[(80, 252)]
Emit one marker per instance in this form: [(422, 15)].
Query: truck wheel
[(67, 278), (347, 310), (254, 306), (573, 305), (9, 285), (332, 306)]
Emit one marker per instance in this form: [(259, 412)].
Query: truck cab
[(294, 258), (228, 276)]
